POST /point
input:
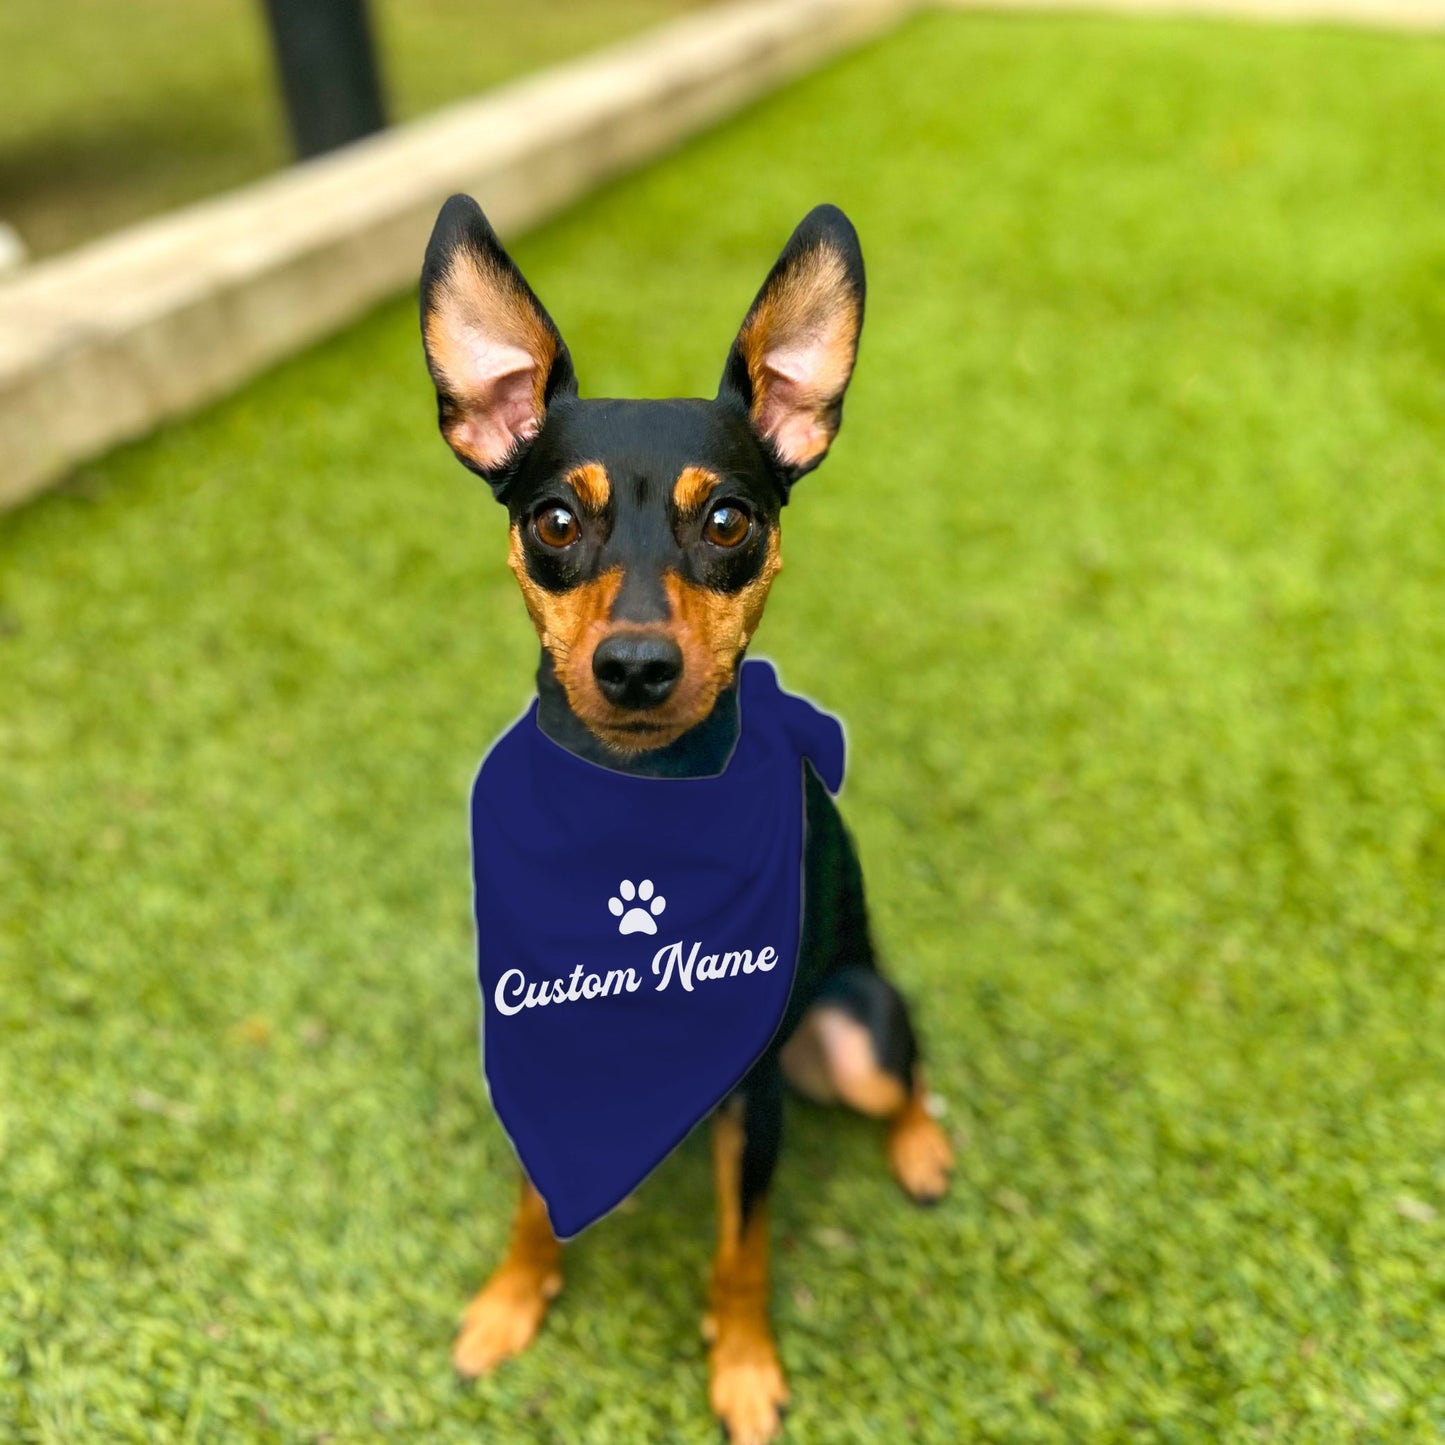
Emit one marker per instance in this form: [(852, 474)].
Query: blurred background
[(113, 112), (1125, 573)]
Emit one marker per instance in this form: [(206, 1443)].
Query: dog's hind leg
[(505, 1317), (856, 1046), (746, 1385)]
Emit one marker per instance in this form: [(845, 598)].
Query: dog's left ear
[(792, 360), (496, 358)]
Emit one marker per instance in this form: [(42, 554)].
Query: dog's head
[(644, 534)]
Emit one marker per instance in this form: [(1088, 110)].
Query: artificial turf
[(1128, 575)]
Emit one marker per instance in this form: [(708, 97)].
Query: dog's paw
[(746, 1389), (920, 1155), (503, 1319)]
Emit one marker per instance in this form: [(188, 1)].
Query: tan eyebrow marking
[(692, 487), (592, 485)]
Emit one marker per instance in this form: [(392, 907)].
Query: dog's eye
[(555, 527), (727, 526)]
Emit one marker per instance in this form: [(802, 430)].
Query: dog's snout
[(637, 669)]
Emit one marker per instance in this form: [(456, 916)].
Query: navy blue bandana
[(636, 938)]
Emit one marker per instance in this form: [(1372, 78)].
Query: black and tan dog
[(645, 537)]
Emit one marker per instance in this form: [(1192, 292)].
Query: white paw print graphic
[(636, 919)]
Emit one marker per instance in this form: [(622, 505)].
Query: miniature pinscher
[(645, 536)]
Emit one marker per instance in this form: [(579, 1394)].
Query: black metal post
[(328, 70)]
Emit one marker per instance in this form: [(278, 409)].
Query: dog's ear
[(492, 350), (791, 362)]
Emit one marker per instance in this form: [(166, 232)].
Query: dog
[(645, 536)]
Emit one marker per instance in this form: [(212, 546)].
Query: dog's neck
[(701, 752)]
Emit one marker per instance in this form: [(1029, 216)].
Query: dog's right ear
[(493, 352)]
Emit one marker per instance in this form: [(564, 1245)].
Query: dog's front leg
[(746, 1379), (505, 1317)]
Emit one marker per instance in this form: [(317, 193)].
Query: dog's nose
[(637, 669)]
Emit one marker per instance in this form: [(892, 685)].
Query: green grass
[(1128, 574), (112, 110)]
